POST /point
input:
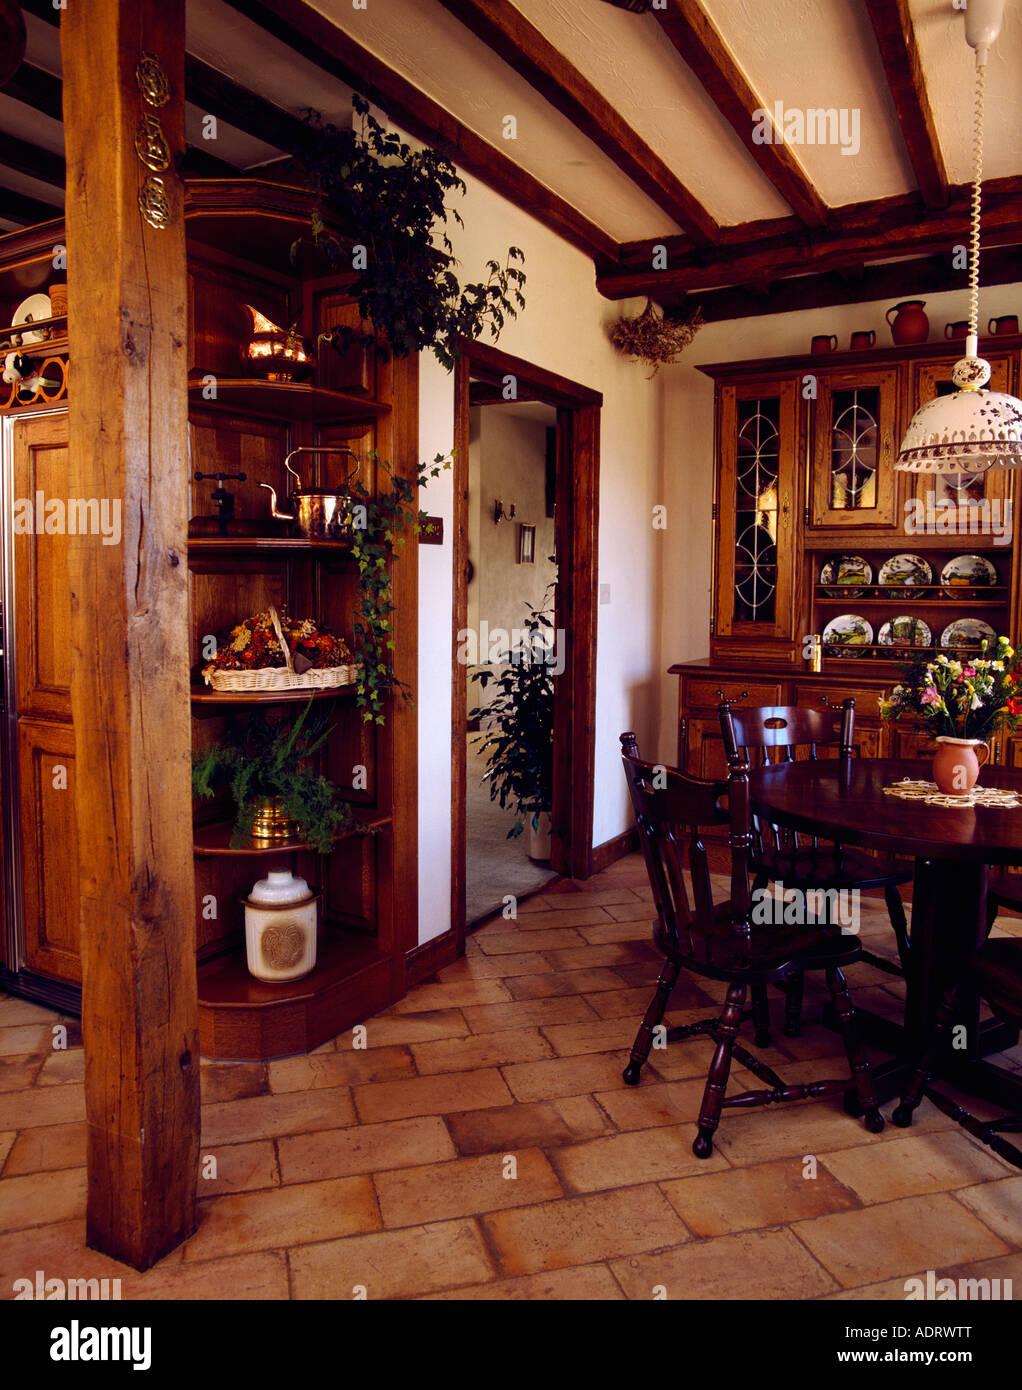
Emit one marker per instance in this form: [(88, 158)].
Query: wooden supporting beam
[(317, 39), (128, 298), (693, 34), (521, 45), (857, 234), (896, 39)]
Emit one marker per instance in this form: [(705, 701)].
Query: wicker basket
[(282, 677)]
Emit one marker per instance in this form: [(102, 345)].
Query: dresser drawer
[(703, 694), (866, 701)]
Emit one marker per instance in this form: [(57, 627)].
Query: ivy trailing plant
[(260, 757), (381, 522), (394, 199)]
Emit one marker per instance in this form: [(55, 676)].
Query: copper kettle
[(318, 515)]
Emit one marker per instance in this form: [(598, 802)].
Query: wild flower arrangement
[(653, 338), (962, 699), (253, 645)]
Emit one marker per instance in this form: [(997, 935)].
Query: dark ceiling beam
[(315, 38), (30, 159), (19, 207), (521, 45), (892, 24), (860, 233), (199, 163), (701, 47), (214, 92), (927, 275), (40, 90)]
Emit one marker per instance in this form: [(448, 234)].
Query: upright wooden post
[(127, 293)]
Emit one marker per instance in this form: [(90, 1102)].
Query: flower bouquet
[(961, 704), (274, 652)]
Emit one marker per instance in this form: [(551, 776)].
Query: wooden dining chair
[(994, 974), (719, 940), (782, 733)]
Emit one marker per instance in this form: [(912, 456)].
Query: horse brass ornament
[(151, 145), (152, 81), (153, 202)]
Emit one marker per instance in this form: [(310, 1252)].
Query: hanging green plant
[(394, 199), (652, 338), (382, 521)]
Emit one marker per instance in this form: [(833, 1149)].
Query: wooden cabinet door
[(49, 848), (854, 440), (706, 750), (756, 533), (42, 596)]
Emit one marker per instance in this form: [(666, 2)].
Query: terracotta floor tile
[(513, 942), (607, 932), (556, 983), (239, 1168), (386, 1029), (509, 1128), (455, 995), (574, 916), (63, 1066), (260, 1276), (585, 957), (342, 1153), (222, 1081), (393, 1264), (47, 1147), (632, 1003), (464, 1187), (50, 1105), (914, 1164), (753, 1265), (59, 1250), (587, 1283), (6, 1142), (528, 1013), (643, 974), (588, 896), (264, 1117), (37, 1199), (638, 1156), (897, 1238), (998, 1205), (771, 1194), (583, 1116), (654, 1103), (603, 1035), (20, 1011), (348, 1066), (291, 1215), (18, 1072), (639, 910), (431, 1095), (797, 1128), (536, 902), (506, 968), (481, 1050), (564, 1076), (29, 1037), (1005, 1267), (583, 1230)]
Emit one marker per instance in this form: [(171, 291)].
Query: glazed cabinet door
[(756, 540), (855, 427)]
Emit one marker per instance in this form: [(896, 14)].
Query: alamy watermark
[(72, 516), (802, 907), (928, 516), (519, 647), (818, 125)]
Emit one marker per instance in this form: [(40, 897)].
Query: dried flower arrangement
[(654, 339)]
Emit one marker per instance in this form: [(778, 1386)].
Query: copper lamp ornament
[(972, 429)]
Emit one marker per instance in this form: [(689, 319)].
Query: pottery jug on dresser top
[(910, 323)]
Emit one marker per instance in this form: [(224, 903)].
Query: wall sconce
[(499, 514)]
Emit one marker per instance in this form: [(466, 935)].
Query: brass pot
[(318, 514), (271, 822)]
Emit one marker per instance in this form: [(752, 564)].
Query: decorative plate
[(846, 630), (966, 633), (967, 572), (905, 631), (845, 570), (903, 572), (36, 306)]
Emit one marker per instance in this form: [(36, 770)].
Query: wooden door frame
[(577, 532)]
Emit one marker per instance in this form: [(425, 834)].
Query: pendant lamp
[(972, 429)]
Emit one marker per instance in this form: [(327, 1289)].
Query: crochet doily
[(908, 790)]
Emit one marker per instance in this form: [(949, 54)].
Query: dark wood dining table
[(844, 801)]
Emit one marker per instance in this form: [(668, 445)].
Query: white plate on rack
[(904, 572), (846, 631), (905, 631), (967, 634), (30, 310), (967, 572), (846, 571)]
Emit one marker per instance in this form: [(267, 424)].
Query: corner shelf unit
[(238, 238)]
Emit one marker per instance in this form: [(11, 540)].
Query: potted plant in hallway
[(518, 733)]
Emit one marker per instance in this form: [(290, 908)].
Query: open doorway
[(524, 433), (511, 584)]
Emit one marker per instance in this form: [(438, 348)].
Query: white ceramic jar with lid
[(281, 913)]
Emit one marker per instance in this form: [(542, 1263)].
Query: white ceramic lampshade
[(968, 431)]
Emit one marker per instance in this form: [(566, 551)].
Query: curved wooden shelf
[(210, 700), (285, 400), (244, 1019), (254, 545), (216, 837)]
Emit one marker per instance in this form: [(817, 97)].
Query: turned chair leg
[(902, 1114), (896, 912), (652, 1018), (862, 1076), (720, 1070), (793, 1005), (761, 1015)]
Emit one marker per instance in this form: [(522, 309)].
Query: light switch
[(604, 593)]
